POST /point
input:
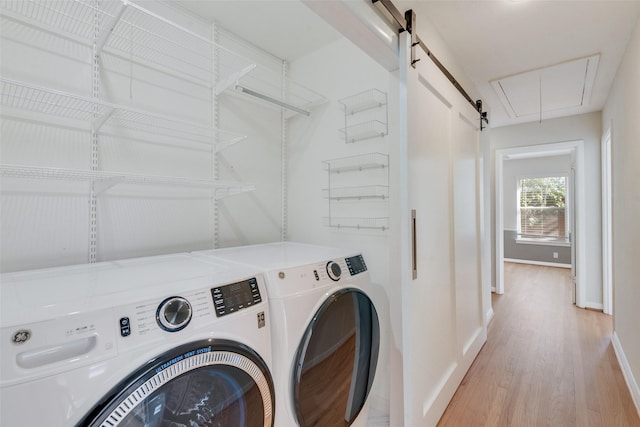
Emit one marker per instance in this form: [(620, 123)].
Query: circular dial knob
[(334, 271), (174, 314)]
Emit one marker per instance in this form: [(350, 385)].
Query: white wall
[(621, 112), (586, 127)]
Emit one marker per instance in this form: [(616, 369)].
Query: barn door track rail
[(407, 22)]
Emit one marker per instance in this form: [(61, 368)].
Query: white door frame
[(607, 250), (541, 150)]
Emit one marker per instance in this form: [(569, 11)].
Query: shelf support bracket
[(219, 146), (233, 79), (106, 33), (101, 120), (224, 192), (102, 185)]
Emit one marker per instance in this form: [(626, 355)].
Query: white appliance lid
[(52, 292), (280, 255)]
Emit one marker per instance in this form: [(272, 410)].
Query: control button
[(125, 328), (174, 314), (315, 273), (334, 271)]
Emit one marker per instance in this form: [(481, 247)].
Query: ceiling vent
[(557, 87)]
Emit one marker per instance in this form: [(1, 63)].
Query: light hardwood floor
[(545, 363)]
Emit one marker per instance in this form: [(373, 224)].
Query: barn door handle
[(414, 245)]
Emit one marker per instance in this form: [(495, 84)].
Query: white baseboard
[(489, 315), (594, 305), (434, 406), (543, 263), (626, 371)]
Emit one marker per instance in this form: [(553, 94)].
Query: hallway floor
[(545, 362)]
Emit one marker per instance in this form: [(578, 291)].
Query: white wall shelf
[(365, 116), (124, 28), (358, 192), (95, 114), (358, 163), (363, 131), (109, 179), (135, 32), (366, 192), (357, 223), (132, 31), (363, 101)]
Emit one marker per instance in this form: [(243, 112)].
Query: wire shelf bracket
[(233, 79), (108, 30)]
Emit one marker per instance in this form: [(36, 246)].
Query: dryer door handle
[(56, 353)]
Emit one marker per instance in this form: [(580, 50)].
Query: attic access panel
[(557, 87)]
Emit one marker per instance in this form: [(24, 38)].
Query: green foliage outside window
[(542, 206)]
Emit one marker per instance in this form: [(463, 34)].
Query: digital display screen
[(235, 296), (356, 265)]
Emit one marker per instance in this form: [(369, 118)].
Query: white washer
[(325, 330), (167, 340)]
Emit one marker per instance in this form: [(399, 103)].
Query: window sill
[(543, 241)]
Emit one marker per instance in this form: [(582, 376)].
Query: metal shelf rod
[(272, 100)]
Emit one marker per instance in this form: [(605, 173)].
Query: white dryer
[(158, 341), (325, 330)]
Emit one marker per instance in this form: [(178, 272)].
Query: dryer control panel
[(294, 281), (356, 265)]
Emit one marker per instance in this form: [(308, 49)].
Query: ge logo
[(21, 336)]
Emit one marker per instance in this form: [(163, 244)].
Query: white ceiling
[(559, 87), (490, 39), (494, 39)]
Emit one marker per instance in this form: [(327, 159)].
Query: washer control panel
[(235, 296), (190, 309)]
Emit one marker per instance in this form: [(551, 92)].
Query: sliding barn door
[(442, 320)]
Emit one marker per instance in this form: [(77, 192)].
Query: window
[(541, 208)]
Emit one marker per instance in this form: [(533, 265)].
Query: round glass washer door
[(209, 383), (336, 361)]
